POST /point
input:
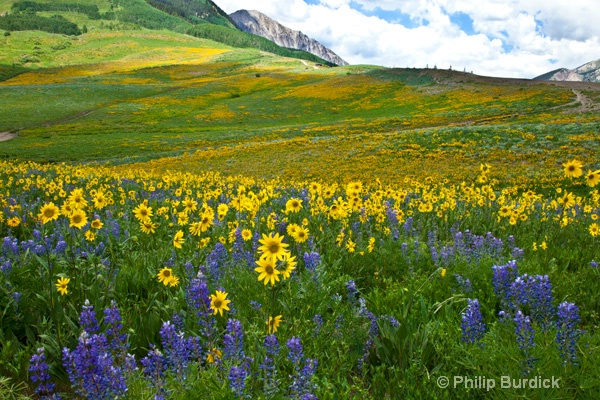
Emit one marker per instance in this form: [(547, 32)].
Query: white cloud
[(512, 38)]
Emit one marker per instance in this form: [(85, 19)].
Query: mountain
[(200, 18), (261, 25), (589, 72)]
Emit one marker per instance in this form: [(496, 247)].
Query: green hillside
[(201, 18)]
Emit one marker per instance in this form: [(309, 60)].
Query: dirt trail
[(4, 136), (308, 65)]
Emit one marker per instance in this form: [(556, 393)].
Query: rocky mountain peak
[(589, 72), (259, 24)]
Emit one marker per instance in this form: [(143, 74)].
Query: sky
[(503, 38)]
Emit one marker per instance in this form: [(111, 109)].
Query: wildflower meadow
[(134, 285)]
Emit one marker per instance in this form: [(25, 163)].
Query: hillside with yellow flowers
[(180, 216)]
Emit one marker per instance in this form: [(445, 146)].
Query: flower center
[(274, 248), (269, 270)]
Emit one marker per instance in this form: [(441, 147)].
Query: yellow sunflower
[(301, 235), (99, 200), (573, 169), (189, 204), (48, 212), (178, 239), (289, 263), (66, 209), (291, 229), (568, 200), (78, 219), (148, 226), (195, 228), (273, 323), (594, 229), (593, 178), (97, 224), (174, 281), (13, 222), (293, 205), (61, 285), (142, 212), (272, 246), (222, 209), (213, 355), (77, 199), (90, 236), (206, 221), (219, 302), (165, 275), (246, 234), (267, 270)]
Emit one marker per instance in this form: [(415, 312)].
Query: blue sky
[(508, 38)]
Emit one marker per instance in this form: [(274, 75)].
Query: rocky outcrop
[(589, 72), (259, 24)]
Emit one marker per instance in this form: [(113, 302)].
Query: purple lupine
[(39, 370), (464, 284), (391, 320), (312, 260), (408, 224), (391, 215), (534, 292), (301, 381), (216, 260), (593, 264), (318, 320), (233, 341), (524, 333), (431, 240), (238, 254), (541, 299), (255, 305), (10, 246), (87, 318), (5, 266), (404, 247), (237, 380), (178, 349), (198, 300), (155, 366), (518, 253), (373, 331), (568, 333), (302, 386), (91, 369), (504, 276), (296, 351), (352, 291), (61, 247), (16, 296), (268, 366), (473, 328), (112, 318), (116, 229)]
